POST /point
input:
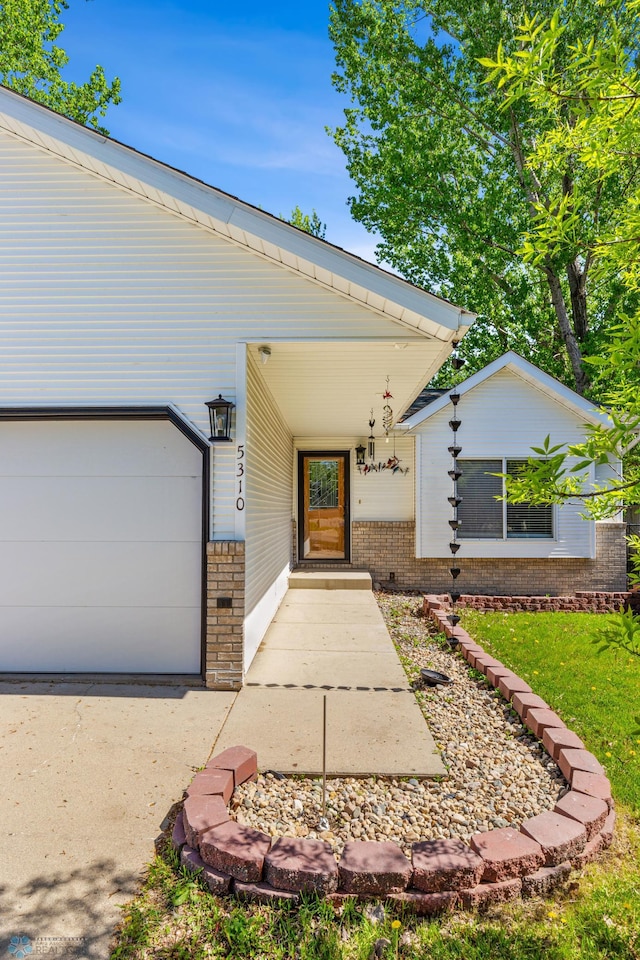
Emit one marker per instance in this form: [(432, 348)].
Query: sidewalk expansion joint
[(328, 686)]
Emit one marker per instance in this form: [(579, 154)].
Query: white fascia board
[(137, 172), (526, 371)]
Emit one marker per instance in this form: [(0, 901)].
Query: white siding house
[(504, 410), (131, 296)]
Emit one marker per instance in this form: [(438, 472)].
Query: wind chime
[(387, 412), (392, 463), (455, 473)]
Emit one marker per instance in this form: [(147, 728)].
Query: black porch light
[(220, 418), (360, 452)]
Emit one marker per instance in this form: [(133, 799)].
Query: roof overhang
[(385, 293)]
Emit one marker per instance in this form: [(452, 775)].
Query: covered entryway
[(100, 545), (323, 491)]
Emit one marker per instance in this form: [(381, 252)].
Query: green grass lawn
[(596, 917), (596, 694)]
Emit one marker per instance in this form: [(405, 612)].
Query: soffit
[(330, 388)]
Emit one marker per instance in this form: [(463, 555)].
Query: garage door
[(100, 547)]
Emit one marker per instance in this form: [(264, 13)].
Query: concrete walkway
[(90, 771), (329, 637)]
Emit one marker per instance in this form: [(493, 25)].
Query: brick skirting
[(385, 547), (225, 614), (496, 866)]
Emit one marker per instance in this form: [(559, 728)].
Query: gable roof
[(426, 396), (239, 222), (514, 363)]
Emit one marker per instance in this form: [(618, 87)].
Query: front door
[(323, 506)]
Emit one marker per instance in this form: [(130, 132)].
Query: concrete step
[(330, 580)]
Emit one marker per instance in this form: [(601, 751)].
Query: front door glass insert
[(324, 507)]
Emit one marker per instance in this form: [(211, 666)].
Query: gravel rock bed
[(499, 775)]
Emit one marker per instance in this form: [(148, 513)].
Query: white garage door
[(100, 547)]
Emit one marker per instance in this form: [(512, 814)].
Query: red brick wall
[(384, 547), (225, 625)]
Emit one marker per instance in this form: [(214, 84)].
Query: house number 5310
[(240, 476)]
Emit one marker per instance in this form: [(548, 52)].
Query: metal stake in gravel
[(324, 823)]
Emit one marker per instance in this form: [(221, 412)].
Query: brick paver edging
[(441, 875), (582, 601)]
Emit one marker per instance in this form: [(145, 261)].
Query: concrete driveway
[(88, 773)]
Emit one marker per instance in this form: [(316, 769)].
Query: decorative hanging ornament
[(455, 473), (371, 443), (387, 413), (456, 362)]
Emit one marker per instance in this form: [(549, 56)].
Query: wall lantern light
[(220, 418), (360, 452)]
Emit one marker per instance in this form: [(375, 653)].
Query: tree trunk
[(569, 337), (578, 291)]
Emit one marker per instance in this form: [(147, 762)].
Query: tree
[(31, 62), (595, 103), (309, 223), (446, 171)]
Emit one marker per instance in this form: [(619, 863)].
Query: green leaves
[(622, 633), (478, 177), (31, 63), (310, 223)]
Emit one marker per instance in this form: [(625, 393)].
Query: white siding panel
[(502, 417), (374, 496), (386, 495), (269, 485), (108, 299)]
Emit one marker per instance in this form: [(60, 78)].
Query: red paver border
[(510, 862)]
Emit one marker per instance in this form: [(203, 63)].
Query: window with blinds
[(480, 514), (484, 517), (526, 520)]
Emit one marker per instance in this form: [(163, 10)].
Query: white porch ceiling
[(329, 388)]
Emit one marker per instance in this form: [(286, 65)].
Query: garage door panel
[(111, 639), (100, 547), (100, 508), (96, 448), (100, 574)]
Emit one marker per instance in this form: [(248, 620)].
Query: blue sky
[(238, 96)]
